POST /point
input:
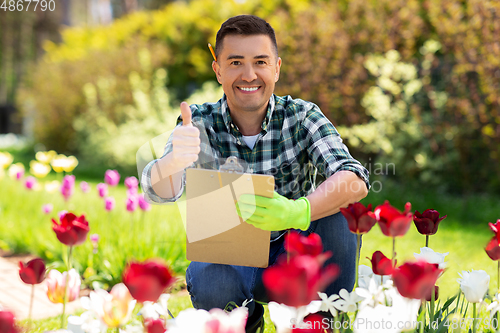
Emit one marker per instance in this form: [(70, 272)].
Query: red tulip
[(360, 219), (7, 323), (427, 222), (296, 244), (495, 228), (298, 281), (416, 279), (33, 272), (391, 221), (381, 265), (72, 230), (436, 294), (155, 326), (146, 281), (313, 323), (493, 249)]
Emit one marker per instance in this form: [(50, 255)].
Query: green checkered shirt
[(296, 143)]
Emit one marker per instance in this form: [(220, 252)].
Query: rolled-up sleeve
[(147, 187), (326, 149)]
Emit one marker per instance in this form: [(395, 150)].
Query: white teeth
[(249, 89)]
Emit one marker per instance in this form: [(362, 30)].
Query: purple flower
[(85, 187), (109, 203), (68, 186), (112, 177), (103, 189), (132, 203), (47, 208), (30, 182), (19, 174), (143, 204), (131, 182)]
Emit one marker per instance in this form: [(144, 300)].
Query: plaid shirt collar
[(226, 116)]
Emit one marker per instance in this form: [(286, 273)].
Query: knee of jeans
[(215, 286)]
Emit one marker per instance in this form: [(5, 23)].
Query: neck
[(249, 122)]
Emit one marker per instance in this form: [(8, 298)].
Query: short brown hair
[(246, 25)]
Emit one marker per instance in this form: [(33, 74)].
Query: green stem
[(357, 259), (431, 309), (393, 251), (117, 330), (426, 240), (65, 299), (474, 315), (421, 329), (31, 305)]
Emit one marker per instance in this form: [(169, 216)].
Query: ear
[(216, 68), (278, 67)]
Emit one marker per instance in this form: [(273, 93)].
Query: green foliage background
[(448, 133)]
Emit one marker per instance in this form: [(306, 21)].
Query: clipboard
[(214, 231)]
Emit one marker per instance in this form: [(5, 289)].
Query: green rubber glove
[(274, 214)]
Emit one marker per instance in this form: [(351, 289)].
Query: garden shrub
[(324, 46)]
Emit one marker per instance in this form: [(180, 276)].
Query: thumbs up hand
[(185, 141)]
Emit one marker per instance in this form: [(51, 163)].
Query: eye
[(236, 63), (261, 62)]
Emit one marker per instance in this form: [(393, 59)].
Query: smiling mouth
[(248, 89)]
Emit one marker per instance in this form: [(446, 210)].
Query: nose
[(248, 74)]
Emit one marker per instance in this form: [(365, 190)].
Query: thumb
[(186, 114)]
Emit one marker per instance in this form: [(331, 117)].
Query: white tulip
[(474, 285), (427, 254), (494, 307), (402, 315)]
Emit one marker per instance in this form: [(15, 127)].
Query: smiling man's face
[(248, 69)]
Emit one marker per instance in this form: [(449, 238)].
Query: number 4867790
[(27, 5)]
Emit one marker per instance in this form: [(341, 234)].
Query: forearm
[(339, 190), (166, 180)]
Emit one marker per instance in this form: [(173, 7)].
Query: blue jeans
[(215, 285)]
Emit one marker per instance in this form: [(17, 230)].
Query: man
[(290, 139)]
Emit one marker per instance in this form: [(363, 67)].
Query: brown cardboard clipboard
[(215, 233)]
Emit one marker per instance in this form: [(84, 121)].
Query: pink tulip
[(30, 182), (19, 174), (85, 187), (114, 308), (109, 203), (62, 213), (132, 203), (56, 283), (47, 208), (131, 182), (103, 189), (112, 177), (143, 204), (94, 238), (68, 186), (132, 192)]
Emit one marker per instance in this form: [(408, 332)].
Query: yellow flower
[(5, 160), (71, 163), (45, 156), (16, 171), (39, 170), (58, 163), (52, 186)]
